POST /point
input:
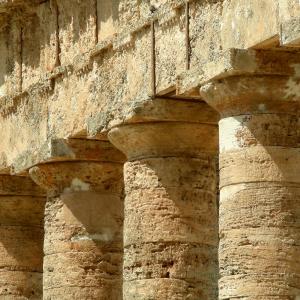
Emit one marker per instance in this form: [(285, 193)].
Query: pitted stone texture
[(260, 188), (83, 230), (252, 130), (21, 239), (75, 149), (170, 225), (101, 86)]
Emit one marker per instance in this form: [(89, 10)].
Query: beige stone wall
[(81, 65)]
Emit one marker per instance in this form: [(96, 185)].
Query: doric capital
[(68, 177), (253, 94), (168, 128), (256, 82), (165, 139), (69, 150), (97, 168)]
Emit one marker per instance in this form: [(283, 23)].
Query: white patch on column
[(262, 107), (292, 88), (77, 185), (227, 192), (233, 24), (228, 128), (105, 236)]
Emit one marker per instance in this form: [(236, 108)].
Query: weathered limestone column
[(83, 225), (21, 238), (170, 226), (259, 180)]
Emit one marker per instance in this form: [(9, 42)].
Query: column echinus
[(21, 238), (170, 218), (259, 98), (83, 245)]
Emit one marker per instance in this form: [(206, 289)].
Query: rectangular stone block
[(77, 28), (205, 27), (290, 33), (27, 119), (170, 50), (249, 23), (288, 9)]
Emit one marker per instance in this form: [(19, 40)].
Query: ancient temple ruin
[(150, 149)]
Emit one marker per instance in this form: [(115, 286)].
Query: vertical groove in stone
[(21, 239), (57, 32), (96, 23), (21, 58), (170, 226), (83, 230)]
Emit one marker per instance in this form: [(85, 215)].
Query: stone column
[(83, 225), (260, 184), (21, 238), (170, 226)]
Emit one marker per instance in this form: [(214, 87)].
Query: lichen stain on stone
[(296, 68), (292, 88), (262, 107), (105, 236), (77, 185)]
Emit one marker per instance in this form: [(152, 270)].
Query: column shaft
[(260, 208), (170, 229), (83, 229), (259, 188), (170, 226), (21, 238)]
